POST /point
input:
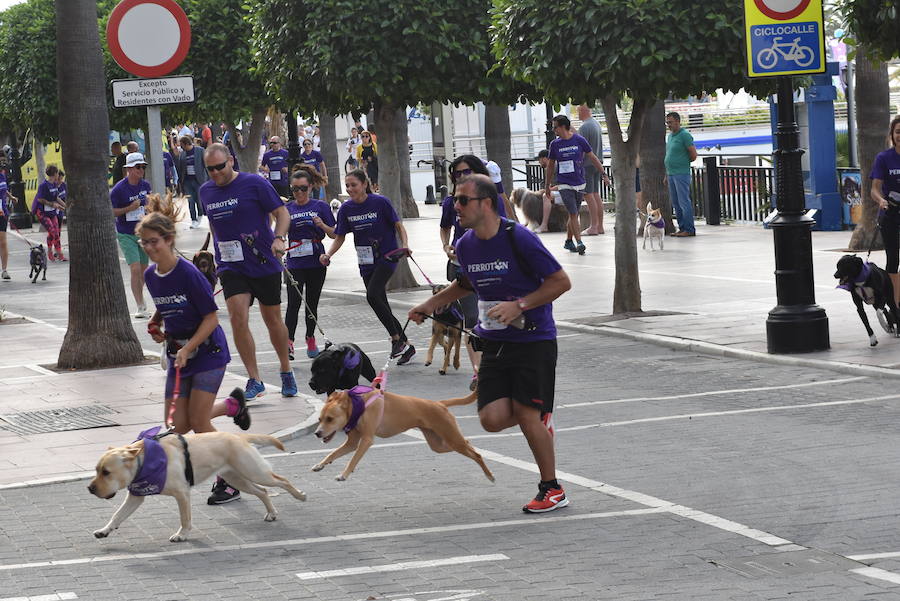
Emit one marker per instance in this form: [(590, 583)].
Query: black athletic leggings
[(312, 279), (890, 234), (376, 282)]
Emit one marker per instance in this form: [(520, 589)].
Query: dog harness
[(152, 469), (359, 405), (866, 293), (660, 223)]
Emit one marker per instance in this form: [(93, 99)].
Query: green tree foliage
[(874, 23), (28, 77), (604, 49)]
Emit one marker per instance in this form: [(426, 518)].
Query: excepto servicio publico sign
[(177, 89)]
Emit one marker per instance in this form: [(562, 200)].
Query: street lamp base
[(21, 221), (797, 329)]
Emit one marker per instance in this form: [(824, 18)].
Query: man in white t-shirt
[(352, 142)]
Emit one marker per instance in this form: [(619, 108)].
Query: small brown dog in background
[(446, 336), (206, 262)]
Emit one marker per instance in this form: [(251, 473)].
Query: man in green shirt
[(680, 153)]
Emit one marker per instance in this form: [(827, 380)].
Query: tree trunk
[(653, 166), (407, 200), (39, 163), (498, 145), (100, 332), (873, 113), (627, 291), (251, 139), (277, 126), (386, 117), (329, 146)]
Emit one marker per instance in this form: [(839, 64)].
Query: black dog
[(339, 366), (38, 260), (868, 283)]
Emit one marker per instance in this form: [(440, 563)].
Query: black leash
[(293, 282)]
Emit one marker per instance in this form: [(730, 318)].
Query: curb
[(720, 350)]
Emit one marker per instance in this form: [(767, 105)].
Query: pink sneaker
[(312, 351)]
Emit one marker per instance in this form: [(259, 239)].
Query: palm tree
[(100, 332)]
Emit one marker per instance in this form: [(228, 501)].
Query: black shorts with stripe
[(522, 371)]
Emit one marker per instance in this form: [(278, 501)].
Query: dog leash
[(380, 380), (397, 254), (293, 282), (21, 235), (176, 390)]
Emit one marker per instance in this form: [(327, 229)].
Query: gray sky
[(4, 4)]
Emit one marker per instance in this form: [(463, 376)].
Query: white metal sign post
[(151, 56)]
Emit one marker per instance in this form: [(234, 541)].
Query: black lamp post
[(293, 141), (797, 324), (20, 215)]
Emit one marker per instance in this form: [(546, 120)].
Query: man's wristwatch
[(522, 304)]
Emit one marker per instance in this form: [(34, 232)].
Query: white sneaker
[(5, 275), (141, 312), (195, 224)]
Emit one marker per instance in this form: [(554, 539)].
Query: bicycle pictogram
[(789, 51)]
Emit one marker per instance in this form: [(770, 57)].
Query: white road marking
[(872, 556), (406, 565), (339, 538), (52, 597), (878, 574)]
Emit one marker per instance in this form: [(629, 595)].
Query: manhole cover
[(57, 420)]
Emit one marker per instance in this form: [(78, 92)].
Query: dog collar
[(660, 223), (151, 476), (860, 279), (359, 406)]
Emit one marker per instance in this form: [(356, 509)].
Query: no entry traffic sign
[(781, 10), (148, 38)]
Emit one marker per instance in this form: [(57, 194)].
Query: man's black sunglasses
[(463, 200), (299, 188), (218, 167)]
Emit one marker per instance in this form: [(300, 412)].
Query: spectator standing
[(46, 207), (206, 135), (129, 199), (5, 209), (516, 281), (312, 157), (171, 177), (680, 153), (311, 221), (590, 131), (191, 173), (275, 166), (317, 139), (367, 155), (118, 161), (352, 142), (239, 206), (566, 160)]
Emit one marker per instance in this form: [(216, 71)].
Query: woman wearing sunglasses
[(367, 155), (376, 228), (311, 221), (314, 158), (461, 167)]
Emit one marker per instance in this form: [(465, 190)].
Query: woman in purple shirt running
[(885, 178)]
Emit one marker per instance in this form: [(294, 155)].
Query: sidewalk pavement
[(708, 294)]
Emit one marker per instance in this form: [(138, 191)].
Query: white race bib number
[(365, 255), (488, 323), (190, 170), (567, 166), (231, 251), (275, 176), (135, 215), (303, 248)]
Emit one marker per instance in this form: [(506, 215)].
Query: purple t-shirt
[(305, 234), (374, 233), (46, 191), (183, 297), (887, 168), (276, 160), (496, 275), (239, 218), (314, 158), (569, 157), (4, 188), (122, 195), (169, 169), (449, 218)]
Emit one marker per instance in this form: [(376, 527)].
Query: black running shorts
[(522, 371), (267, 288)]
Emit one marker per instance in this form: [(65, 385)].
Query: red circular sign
[(139, 53), (781, 10)]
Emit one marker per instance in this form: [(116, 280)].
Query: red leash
[(170, 420)]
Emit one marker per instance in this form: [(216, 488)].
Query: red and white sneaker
[(547, 420), (546, 500)]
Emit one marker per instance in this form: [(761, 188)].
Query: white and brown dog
[(654, 229), (364, 413), (171, 464)]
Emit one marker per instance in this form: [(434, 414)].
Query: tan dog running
[(387, 415), (223, 453), (446, 336)]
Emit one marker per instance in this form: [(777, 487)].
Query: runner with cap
[(129, 199)]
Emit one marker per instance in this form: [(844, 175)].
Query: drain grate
[(57, 420)]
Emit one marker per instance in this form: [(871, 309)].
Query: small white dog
[(171, 464), (335, 205), (655, 228)]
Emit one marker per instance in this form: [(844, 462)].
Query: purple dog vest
[(359, 405), (151, 477)]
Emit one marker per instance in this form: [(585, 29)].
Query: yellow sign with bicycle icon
[(784, 37)]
